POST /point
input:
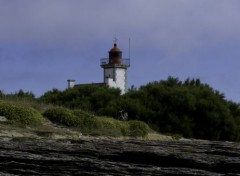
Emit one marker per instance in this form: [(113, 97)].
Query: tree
[(189, 108)]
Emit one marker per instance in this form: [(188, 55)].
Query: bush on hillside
[(62, 116), (88, 123), (113, 127), (20, 114), (138, 128), (101, 126)]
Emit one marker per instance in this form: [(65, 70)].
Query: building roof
[(91, 84)]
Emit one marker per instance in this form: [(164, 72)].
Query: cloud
[(179, 37), (166, 23)]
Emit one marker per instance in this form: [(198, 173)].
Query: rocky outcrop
[(92, 156)]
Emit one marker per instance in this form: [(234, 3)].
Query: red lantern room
[(115, 55)]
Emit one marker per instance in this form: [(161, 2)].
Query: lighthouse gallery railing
[(124, 61)]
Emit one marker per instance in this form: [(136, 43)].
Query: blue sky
[(46, 42)]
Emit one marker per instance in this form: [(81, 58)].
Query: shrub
[(113, 127), (102, 126), (137, 128), (88, 123), (110, 123), (20, 114), (62, 116)]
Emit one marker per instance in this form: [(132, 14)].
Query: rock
[(3, 119), (92, 156)]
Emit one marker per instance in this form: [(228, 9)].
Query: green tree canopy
[(189, 108)]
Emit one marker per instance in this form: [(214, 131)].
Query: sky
[(43, 43)]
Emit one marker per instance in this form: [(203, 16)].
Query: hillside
[(187, 108), (39, 138), (52, 131), (54, 149)]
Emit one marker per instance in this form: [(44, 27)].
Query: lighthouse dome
[(115, 49)]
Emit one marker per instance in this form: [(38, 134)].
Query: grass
[(24, 138), (189, 150), (31, 116), (46, 131), (96, 126)]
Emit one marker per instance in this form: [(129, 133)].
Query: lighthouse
[(115, 69)]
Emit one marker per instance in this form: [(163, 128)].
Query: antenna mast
[(129, 47)]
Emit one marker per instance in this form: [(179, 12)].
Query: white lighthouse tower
[(115, 69)]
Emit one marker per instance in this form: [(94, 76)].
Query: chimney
[(71, 83)]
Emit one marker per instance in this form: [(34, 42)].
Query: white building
[(115, 69)]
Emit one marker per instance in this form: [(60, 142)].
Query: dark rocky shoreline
[(93, 156)]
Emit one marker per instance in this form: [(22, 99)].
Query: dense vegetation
[(22, 108), (20, 114), (190, 108), (88, 124)]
